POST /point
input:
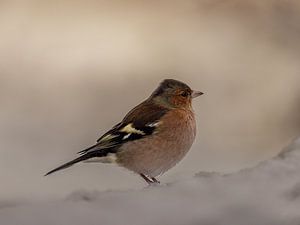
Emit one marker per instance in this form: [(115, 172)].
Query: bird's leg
[(149, 181), (155, 180)]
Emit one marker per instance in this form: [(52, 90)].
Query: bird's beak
[(196, 94)]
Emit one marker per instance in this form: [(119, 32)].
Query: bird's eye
[(184, 94)]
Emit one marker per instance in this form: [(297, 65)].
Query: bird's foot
[(152, 181), (155, 180)]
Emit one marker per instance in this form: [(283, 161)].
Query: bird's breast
[(159, 152)]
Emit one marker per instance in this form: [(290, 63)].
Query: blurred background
[(70, 70)]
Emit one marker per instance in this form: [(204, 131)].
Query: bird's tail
[(79, 159)]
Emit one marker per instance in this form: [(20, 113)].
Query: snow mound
[(268, 194)]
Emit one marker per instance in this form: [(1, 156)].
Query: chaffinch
[(152, 137)]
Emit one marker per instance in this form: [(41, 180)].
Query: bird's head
[(174, 94)]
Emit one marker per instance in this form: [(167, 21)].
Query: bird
[(152, 137)]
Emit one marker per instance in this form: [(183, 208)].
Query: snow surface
[(268, 194)]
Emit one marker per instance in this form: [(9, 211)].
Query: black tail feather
[(79, 159), (87, 149)]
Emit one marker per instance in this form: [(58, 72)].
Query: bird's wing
[(141, 121)]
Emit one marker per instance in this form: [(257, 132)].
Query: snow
[(268, 194)]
